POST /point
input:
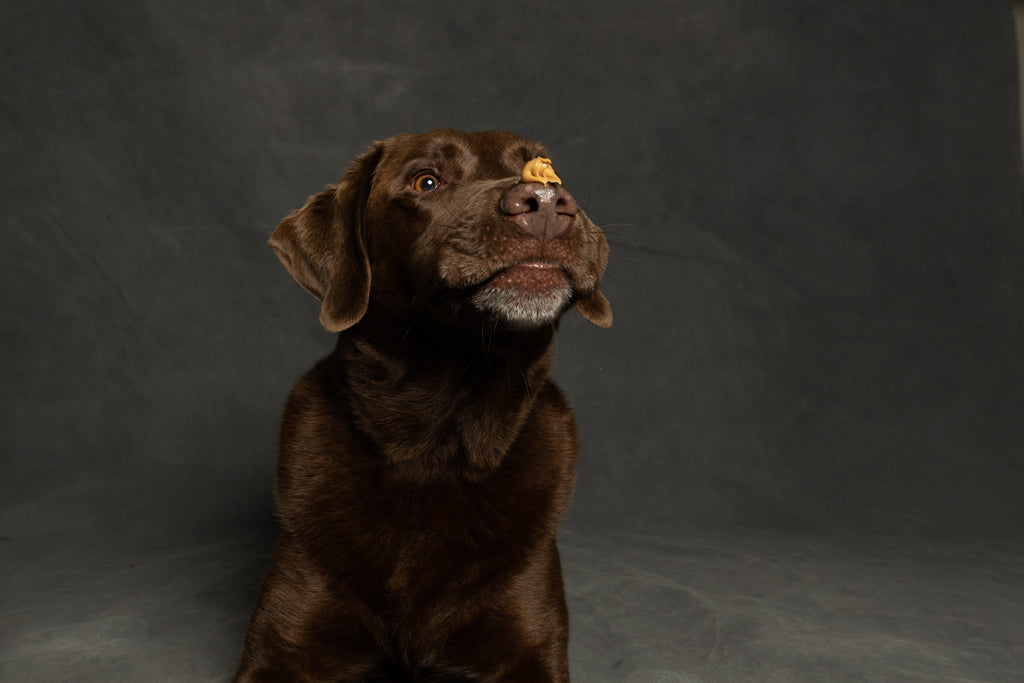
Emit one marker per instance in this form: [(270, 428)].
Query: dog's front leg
[(300, 631), (524, 637)]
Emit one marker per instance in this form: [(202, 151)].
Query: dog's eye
[(425, 182)]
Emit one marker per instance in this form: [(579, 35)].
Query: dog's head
[(457, 224)]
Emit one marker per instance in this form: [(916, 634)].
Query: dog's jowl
[(424, 464)]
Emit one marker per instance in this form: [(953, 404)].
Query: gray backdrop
[(817, 274), (814, 209)]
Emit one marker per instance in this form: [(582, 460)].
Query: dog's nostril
[(540, 210), (566, 205), (526, 198)]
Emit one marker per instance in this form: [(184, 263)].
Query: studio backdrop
[(814, 211)]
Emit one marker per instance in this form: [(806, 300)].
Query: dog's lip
[(543, 265), (535, 266), (530, 275), (497, 272)]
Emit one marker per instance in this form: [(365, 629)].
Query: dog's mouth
[(526, 294), (530, 277)]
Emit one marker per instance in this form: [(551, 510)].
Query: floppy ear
[(594, 307), (323, 246)]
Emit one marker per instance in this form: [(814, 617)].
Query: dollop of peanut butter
[(539, 170)]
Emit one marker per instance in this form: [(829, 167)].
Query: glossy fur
[(425, 463)]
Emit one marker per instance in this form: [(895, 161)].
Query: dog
[(425, 463)]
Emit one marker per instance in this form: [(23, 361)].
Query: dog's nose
[(541, 210)]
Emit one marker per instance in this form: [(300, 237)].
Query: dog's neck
[(441, 404)]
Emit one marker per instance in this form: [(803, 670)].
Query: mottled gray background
[(817, 273)]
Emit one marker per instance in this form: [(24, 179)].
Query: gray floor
[(646, 608)]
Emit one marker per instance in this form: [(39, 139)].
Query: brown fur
[(425, 463)]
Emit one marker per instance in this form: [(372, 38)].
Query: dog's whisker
[(605, 226)]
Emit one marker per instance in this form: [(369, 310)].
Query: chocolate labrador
[(425, 463)]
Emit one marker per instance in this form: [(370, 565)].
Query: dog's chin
[(525, 296)]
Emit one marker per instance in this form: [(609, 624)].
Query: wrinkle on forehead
[(447, 153), (516, 156), (441, 152), (496, 154), (506, 153)]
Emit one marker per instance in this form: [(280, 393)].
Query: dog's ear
[(323, 246), (595, 307)]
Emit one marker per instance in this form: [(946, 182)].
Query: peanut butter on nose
[(539, 171)]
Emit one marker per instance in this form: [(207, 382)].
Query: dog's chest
[(455, 521), (416, 553), (405, 534)]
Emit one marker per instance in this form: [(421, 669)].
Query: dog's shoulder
[(316, 408), (552, 415)]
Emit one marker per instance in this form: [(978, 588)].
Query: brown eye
[(425, 182)]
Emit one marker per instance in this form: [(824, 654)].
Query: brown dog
[(425, 463)]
